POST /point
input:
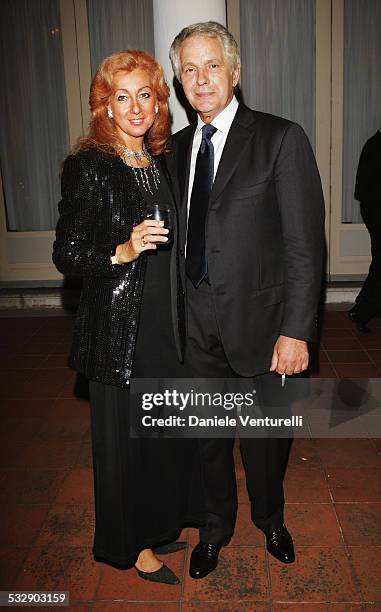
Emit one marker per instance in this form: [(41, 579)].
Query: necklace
[(141, 172)]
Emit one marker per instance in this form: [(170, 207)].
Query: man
[(368, 193), (252, 212)]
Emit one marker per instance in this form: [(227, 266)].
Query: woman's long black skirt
[(146, 490)]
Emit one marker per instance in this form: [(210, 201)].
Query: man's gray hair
[(205, 28)]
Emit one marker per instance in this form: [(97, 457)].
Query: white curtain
[(362, 91), (278, 58), (117, 25), (34, 135)]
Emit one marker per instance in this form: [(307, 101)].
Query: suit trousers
[(264, 459), (368, 301)]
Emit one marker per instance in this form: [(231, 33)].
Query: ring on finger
[(142, 241)]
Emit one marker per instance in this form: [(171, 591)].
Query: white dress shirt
[(222, 122)]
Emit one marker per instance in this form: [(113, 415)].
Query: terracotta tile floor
[(333, 492)]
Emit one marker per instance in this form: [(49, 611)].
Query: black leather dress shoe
[(280, 545), (360, 325), (204, 559)]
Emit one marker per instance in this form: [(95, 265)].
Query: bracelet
[(114, 259)]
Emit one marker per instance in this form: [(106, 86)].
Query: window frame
[(77, 71)]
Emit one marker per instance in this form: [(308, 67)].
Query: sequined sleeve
[(74, 251)]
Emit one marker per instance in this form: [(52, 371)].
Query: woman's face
[(133, 106)]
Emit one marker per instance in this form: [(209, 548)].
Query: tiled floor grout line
[(334, 502), (185, 564), (269, 583), (332, 365), (355, 578), (20, 398), (91, 603), (373, 440), (305, 603), (46, 355), (329, 360), (100, 578), (40, 469), (366, 350), (338, 523), (34, 334)]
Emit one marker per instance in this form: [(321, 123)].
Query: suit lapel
[(164, 168), (183, 155), (240, 134), (180, 169)]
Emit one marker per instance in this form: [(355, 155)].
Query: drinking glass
[(162, 212)]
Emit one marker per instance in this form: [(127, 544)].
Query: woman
[(128, 321)]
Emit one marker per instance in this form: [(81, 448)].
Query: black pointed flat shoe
[(172, 547), (163, 575), (280, 545)]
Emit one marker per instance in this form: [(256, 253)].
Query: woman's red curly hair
[(102, 133)]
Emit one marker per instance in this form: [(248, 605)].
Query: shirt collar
[(225, 118)]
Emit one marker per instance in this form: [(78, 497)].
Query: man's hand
[(290, 356)]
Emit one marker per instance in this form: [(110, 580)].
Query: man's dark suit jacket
[(368, 177), (264, 235)]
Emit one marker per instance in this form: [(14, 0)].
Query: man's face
[(206, 76)]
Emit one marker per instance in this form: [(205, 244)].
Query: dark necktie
[(196, 264)]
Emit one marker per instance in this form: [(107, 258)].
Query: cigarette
[(283, 379)]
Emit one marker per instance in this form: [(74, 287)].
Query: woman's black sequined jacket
[(100, 205)]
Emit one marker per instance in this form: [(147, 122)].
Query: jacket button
[(182, 253)]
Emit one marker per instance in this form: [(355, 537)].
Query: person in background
[(368, 193), (252, 241), (129, 320)]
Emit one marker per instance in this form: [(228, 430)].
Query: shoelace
[(274, 535), (209, 549)]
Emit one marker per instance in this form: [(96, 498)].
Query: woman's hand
[(144, 236)]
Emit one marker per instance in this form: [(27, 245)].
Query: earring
[(156, 108), (109, 113)]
